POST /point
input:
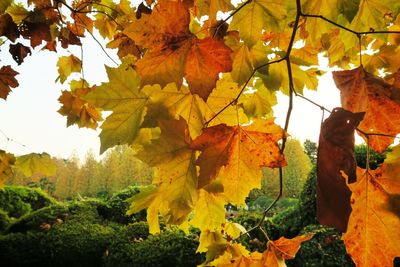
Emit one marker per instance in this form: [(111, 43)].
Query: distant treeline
[(118, 169)]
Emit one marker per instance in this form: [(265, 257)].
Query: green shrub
[(325, 249), (66, 244), (118, 206), (88, 211), (36, 220), (4, 220), (19, 200)]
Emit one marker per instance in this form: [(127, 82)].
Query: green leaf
[(34, 163), (120, 95), (256, 16)]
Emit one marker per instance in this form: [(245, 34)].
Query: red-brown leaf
[(7, 80), (336, 155)]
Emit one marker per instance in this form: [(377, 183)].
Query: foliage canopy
[(193, 91)]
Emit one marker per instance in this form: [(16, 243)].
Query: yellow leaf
[(6, 161), (120, 95), (147, 198), (176, 175), (373, 231), (17, 12), (258, 16), (4, 5), (236, 154), (370, 15), (34, 163), (326, 8), (208, 239), (259, 103), (105, 25), (209, 212), (66, 65)]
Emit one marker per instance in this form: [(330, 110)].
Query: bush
[(66, 244), (170, 248), (118, 206), (89, 211), (325, 249), (4, 220), (18, 200)]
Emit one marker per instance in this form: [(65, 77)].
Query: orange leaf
[(7, 80), (77, 110), (174, 53), (242, 151), (363, 92), (206, 59), (373, 235), (282, 249), (336, 154)]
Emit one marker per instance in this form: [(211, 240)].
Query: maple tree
[(193, 92)]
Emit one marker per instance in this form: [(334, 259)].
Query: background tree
[(295, 173)]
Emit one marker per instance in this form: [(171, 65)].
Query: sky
[(29, 121)]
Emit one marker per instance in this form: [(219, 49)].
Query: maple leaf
[(336, 141), (66, 65), (19, 52), (326, 8), (176, 175), (7, 80), (209, 212), (6, 161), (282, 249), (370, 14), (76, 108), (174, 52), (120, 95), (256, 16), (259, 103), (372, 234), (8, 28), (241, 151), (363, 92), (36, 32), (126, 46), (34, 163), (211, 8), (246, 59)]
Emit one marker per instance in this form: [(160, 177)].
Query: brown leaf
[(336, 155), (362, 92), (7, 80), (126, 46), (8, 28), (19, 52), (36, 32), (67, 38)]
